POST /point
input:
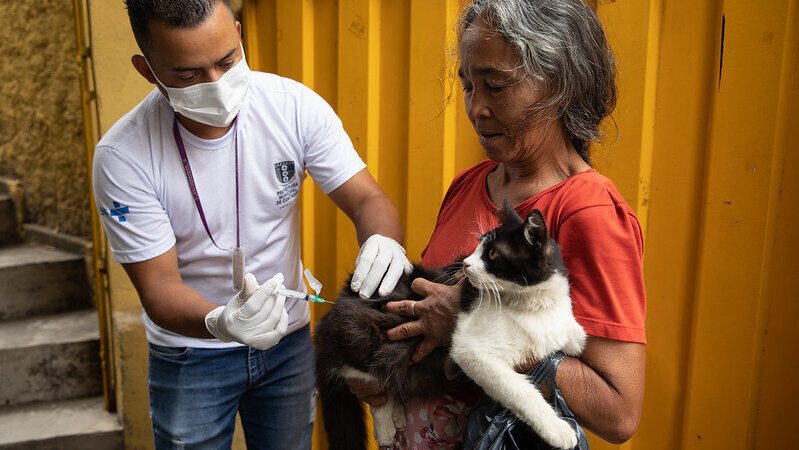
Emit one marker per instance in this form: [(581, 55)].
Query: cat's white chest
[(515, 336)]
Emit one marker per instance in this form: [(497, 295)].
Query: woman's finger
[(407, 308), (375, 400), (406, 330), (423, 349), (368, 392), (422, 287)]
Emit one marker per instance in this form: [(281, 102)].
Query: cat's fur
[(515, 307), (351, 344)]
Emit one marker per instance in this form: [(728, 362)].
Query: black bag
[(491, 426)]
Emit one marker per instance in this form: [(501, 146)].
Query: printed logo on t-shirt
[(284, 171), (119, 210), (287, 194)]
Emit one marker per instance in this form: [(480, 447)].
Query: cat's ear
[(508, 215), (535, 228)]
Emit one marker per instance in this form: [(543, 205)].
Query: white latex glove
[(256, 316), (383, 258)]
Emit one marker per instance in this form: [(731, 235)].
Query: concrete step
[(39, 280), (49, 358), (66, 425), (8, 220)]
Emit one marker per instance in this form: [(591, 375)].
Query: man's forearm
[(378, 216), (178, 308)]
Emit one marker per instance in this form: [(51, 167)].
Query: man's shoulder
[(136, 125), (271, 85)]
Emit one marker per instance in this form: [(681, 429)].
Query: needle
[(301, 295)]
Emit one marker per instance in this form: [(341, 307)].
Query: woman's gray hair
[(561, 44)]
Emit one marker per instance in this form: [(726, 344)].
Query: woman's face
[(498, 95)]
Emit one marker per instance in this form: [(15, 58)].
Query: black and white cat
[(515, 307), (523, 312)]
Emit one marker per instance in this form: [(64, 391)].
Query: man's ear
[(238, 28), (141, 66)]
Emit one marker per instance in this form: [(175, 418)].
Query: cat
[(351, 343), (515, 307), (524, 313)]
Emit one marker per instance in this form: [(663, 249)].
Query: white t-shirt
[(282, 130)]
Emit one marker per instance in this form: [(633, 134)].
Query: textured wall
[(41, 134)]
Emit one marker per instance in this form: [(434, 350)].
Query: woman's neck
[(550, 162)]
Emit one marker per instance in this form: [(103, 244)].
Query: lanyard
[(193, 188)]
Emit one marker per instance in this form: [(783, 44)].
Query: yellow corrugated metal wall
[(704, 146)]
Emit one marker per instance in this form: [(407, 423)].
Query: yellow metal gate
[(705, 146), (707, 113)]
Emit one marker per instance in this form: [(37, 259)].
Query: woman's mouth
[(487, 138)]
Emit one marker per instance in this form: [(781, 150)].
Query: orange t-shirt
[(598, 233)]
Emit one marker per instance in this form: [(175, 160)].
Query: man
[(197, 185)]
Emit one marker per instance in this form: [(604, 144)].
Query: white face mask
[(215, 103)]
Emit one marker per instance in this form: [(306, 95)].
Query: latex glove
[(256, 316), (383, 258)]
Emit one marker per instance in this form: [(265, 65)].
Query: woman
[(538, 78)]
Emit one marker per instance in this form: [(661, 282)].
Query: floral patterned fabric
[(436, 423)]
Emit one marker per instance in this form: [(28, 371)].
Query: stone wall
[(41, 130)]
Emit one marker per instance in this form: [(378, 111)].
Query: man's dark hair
[(173, 13)]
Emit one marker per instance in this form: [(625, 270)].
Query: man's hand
[(256, 316), (435, 316), (383, 258)]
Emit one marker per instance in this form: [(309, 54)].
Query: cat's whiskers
[(491, 288), (478, 284), (495, 288), (479, 221), (488, 287), (452, 275)]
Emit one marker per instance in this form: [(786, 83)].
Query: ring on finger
[(413, 309)]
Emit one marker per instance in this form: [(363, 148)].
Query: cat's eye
[(492, 254)]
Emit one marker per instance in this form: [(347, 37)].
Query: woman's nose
[(477, 108)]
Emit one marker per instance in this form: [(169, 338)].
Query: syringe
[(300, 295)]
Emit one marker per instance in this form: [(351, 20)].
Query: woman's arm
[(604, 387)]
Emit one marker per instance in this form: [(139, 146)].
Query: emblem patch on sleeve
[(290, 187), (285, 171), (118, 211)]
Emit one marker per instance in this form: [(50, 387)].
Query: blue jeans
[(195, 393)]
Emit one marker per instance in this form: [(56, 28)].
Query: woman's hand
[(435, 316), (367, 392)]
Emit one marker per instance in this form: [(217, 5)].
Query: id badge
[(238, 268)]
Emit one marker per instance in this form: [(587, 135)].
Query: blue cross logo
[(119, 211)]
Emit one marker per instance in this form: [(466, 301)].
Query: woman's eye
[(495, 87), (467, 88), (492, 254)]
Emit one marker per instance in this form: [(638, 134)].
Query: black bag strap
[(491, 426), (544, 373)]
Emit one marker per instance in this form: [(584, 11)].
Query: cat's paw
[(559, 435), (398, 416), (384, 432)]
